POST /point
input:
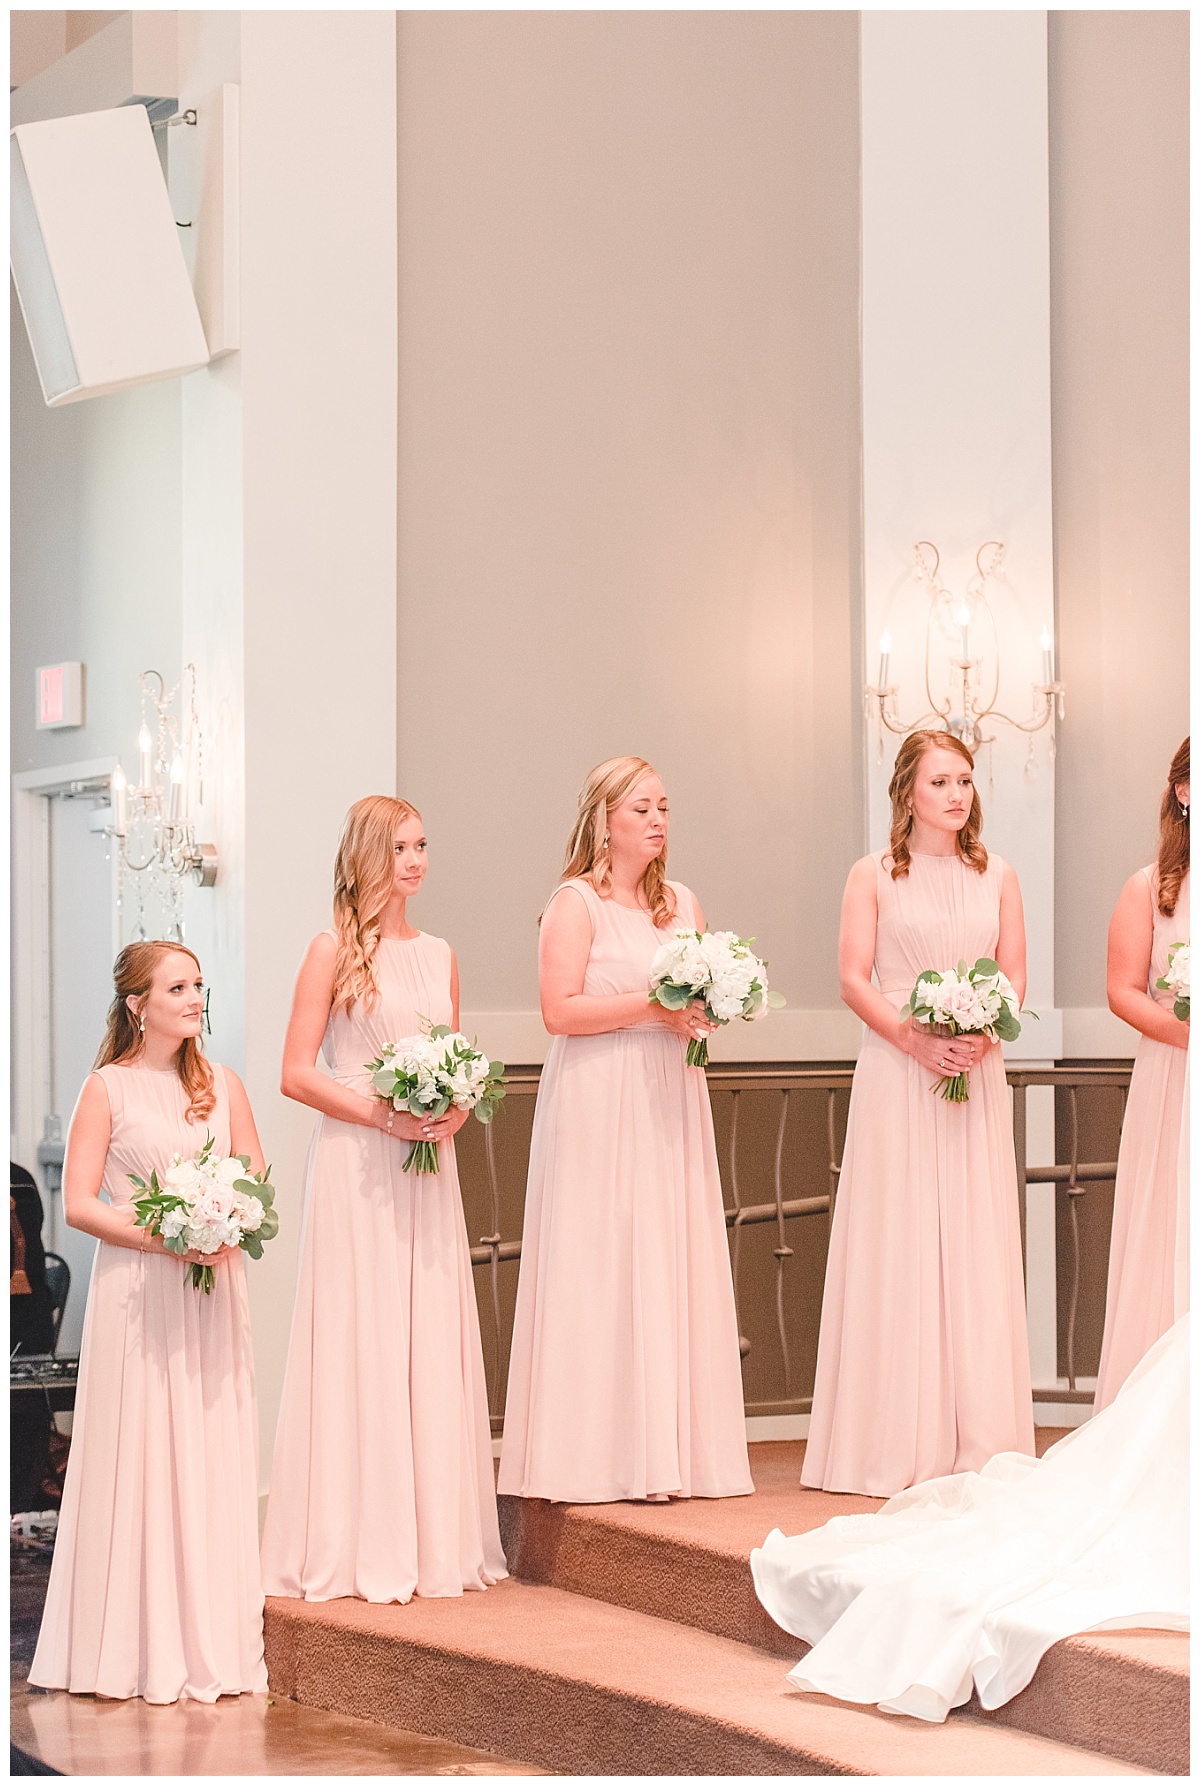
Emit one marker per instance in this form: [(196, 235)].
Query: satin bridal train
[(968, 1580)]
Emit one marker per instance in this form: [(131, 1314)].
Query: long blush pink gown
[(154, 1589), (1141, 1263), (382, 1485), (624, 1380), (923, 1362)]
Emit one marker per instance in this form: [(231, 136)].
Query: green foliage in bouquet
[(436, 1062)]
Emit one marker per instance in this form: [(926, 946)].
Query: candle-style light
[(966, 705), (119, 787), (162, 851), (145, 759), (175, 798)]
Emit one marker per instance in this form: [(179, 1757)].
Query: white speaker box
[(96, 259)]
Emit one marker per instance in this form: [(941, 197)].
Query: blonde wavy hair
[(363, 876), (900, 793), (1174, 843), (588, 856), (133, 976)]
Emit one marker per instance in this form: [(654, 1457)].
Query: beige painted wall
[(1119, 296), (36, 39), (629, 470)]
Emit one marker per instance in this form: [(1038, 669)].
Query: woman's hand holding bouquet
[(205, 1207), (426, 1076), (717, 970), (961, 1003), (1178, 979)]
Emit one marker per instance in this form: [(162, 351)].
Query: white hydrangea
[(717, 966)]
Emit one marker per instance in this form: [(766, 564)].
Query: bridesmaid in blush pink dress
[(923, 1363), (382, 1485), (154, 1589), (1152, 913), (624, 1381)]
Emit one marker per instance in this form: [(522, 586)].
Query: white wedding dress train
[(965, 1582)]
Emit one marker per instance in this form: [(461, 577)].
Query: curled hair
[(588, 855), (1174, 852), (363, 876), (133, 976), (900, 792)]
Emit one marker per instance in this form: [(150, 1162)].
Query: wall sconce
[(967, 705), (152, 821)]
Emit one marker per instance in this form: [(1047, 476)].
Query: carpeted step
[(576, 1685), (1120, 1693), (688, 1561), (1124, 1693)]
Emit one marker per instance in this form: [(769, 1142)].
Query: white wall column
[(290, 542), (318, 188), (956, 436)]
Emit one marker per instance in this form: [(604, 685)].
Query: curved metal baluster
[(743, 1342), (783, 1250), (835, 1167), (492, 1240), (1073, 1192)]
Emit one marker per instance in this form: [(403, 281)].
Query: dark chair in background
[(58, 1283)]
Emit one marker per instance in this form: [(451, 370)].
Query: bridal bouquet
[(206, 1203), (962, 1001), (428, 1073), (718, 967), (1178, 979)]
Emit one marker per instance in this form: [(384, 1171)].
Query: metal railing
[(1075, 1175)]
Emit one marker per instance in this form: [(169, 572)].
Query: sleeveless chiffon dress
[(1140, 1304), (382, 1485), (624, 1380), (154, 1588), (923, 1360)]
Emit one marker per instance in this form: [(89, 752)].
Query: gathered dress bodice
[(150, 1124), (940, 913), (625, 940), (1167, 932), (414, 986)]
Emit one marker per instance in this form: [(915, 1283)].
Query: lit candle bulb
[(145, 765), (1047, 657), (885, 651), (118, 787), (175, 798), (964, 621)]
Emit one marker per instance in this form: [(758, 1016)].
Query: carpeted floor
[(255, 1734)]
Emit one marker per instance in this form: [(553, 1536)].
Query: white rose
[(215, 1205), (183, 1176), (250, 1214), (229, 1171)]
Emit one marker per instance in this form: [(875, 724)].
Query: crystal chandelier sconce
[(964, 627), (153, 824)]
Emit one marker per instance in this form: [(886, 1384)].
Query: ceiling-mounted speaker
[(96, 259)]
